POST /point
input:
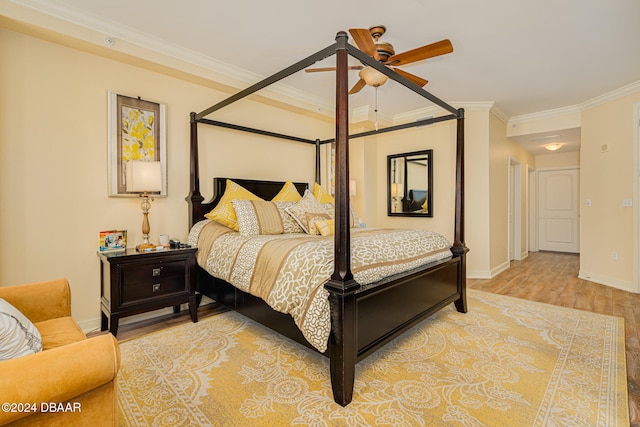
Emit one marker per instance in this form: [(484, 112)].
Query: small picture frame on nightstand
[(113, 241)]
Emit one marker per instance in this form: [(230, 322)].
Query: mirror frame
[(390, 158)]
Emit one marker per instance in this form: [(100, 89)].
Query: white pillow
[(18, 336)]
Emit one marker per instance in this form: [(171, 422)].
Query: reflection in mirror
[(410, 183)]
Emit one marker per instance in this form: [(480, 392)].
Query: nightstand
[(136, 282)]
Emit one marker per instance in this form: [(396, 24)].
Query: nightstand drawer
[(137, 291), (133, 274)]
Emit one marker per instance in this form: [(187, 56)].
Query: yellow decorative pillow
[(313, 218), (321, 195), (224, 213), (288, 193), (326, 227)]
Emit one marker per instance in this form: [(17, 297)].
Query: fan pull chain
[(376, 109)]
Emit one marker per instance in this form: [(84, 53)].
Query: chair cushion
[(18, 336), (59, 332)]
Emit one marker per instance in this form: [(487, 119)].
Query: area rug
[(507, 362)]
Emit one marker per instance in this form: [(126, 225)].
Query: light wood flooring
[(547, 277)]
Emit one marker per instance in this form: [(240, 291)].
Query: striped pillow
[(261, 217), (258, 217)]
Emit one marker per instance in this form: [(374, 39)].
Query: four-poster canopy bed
[(362, 318)]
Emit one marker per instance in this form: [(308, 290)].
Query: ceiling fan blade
[(364, 41), (357, 87), (429, 51), (417, 80), (318, 70)]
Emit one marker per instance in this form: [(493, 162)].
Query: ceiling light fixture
[(553, 147), (372, 77)]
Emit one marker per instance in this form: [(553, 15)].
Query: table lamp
[(144, 177)]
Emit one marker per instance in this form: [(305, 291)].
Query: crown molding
[(579, 108), (367, 114), (573, 109), (434, 110), (102, 28), (611, 96)]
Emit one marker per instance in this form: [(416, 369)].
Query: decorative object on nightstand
[(113, 241), (134, 282), (144, 177)]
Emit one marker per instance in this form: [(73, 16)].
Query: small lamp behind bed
[(144, 177)]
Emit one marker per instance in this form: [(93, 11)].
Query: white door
[(558, 211)]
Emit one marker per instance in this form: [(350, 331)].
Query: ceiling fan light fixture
[(553, 146), (372, 77)]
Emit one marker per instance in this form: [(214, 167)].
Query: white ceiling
[(527, 56)]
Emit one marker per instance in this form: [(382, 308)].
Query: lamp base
[(142, 247)]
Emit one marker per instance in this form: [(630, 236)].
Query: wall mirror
[(410, 184)]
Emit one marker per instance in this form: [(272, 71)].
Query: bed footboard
[(385, 312)]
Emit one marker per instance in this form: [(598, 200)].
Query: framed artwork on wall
[(137, 131)]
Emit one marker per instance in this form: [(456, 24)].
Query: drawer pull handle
[(156, 272), (156, 287)]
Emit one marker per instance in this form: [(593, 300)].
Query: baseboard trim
[(93, 325), (488, 274), (478, 274), (499, 269), (607, 281)]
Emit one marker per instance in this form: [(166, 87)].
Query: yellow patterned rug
[(508, 362)]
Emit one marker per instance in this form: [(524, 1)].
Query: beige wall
[(53, 161), (606, 179), (504, 153), (558, 160), (441, 139)]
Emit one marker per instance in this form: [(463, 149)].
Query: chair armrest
[(59, 374), (40, 301)]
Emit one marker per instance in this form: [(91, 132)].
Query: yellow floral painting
[(136, 132), (138, 140)]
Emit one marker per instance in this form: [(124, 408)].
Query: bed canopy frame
[(345, 348)]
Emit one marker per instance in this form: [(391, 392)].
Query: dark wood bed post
[(342, 286), (459, 247), (194, 198)]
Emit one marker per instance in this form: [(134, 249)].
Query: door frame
[(636, 198), (532, 211), (515, 210)]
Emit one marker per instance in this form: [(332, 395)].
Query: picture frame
[(137, 131), (113, 241)]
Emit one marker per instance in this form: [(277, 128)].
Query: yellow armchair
[(73, 380)]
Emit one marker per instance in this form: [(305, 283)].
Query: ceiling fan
[(367, 40)]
